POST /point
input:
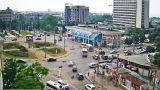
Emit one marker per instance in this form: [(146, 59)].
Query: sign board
[(29, 38)]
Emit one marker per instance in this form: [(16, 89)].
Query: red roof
[(133, 79)]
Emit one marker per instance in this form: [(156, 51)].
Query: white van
[(53, 85)]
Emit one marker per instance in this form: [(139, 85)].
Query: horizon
[(102, 6)]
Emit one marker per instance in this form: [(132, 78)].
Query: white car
[(90, 87), (53, 85), (93, 65), (64, 85), (70, 63)]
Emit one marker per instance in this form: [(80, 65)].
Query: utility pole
[(64, 43), (45, 44), (117, 70)]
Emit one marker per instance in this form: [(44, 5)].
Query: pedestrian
[(88, 73)]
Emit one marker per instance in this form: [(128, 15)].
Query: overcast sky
[(97, 6)]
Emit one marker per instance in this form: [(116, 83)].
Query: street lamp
[(45, 44), (1, 62)]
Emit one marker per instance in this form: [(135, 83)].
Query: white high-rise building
[(131, 13)]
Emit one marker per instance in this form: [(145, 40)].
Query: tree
[(49, 23), (128, 41), (9, 73), (150, 49), (157, 41), (157, 59), (20, 76)]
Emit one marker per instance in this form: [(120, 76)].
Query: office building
[(131, 13), (6, 15), (76, 14)]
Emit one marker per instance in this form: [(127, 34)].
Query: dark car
[(80, 76), (104, 57), (22, 61), (51, 59), (38, 38), (15, 39), (101, 52)]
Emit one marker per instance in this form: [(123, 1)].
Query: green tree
[(49, 23), (128, 41), (150, 49), (9, 73), (157, 59), (157, 41)]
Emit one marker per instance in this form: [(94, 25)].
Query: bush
[(150, 49), (41, 44), (14, 46)]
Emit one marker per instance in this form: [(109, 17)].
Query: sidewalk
[(101, 82)]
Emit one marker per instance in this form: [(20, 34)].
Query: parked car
[(14, 39), (51, 59), (93, 65), (80, 76), (53, 85), (70, 63), (38, 38), (103, 65), (74, 69), (22, 61), (90, 87), (95, 57), (101, 52)]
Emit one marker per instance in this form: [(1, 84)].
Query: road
[(66, 72)]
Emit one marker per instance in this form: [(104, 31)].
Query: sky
[(96, 6)]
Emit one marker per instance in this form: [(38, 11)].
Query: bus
[(84, 52)]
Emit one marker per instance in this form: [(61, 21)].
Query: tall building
[(131, 13), (76, 14), (6, 15)]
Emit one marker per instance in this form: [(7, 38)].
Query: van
[(53, 85)]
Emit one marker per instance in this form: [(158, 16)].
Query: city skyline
[(96, 6)]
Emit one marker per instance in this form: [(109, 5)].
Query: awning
[(94, 35)]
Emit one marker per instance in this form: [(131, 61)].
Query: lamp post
[(1, 62), (45, 44)]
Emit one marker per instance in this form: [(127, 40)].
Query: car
[(51, 59), (103, 65), (14, 39), (22, 61), (64, 85), (104, 57), (38, 38), (90, 87), (80, 76), (93, 65), (101, 52), (74, 69), (53, 85), (96, 57), (70, 63)]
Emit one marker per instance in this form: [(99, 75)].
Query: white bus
[(84, 52)]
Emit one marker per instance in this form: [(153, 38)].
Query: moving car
[(80, 76), (74, 69), (90, 87), (51, 59), (64, 85), (96, 57), (93, 65), (22, 61), (70, 63), (104, 57)]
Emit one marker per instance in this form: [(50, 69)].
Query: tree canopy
[(21, 76)]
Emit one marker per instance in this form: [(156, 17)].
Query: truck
[(84, 52)]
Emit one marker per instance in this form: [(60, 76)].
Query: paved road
[(74, 55)]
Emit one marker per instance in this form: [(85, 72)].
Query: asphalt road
[(66, 72)]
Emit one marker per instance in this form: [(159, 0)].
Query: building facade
[(6, 15), (76, 14), (131, 13)]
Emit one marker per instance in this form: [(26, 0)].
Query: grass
[(42, 44), (51, 51), (30, 56), (24, 33)]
